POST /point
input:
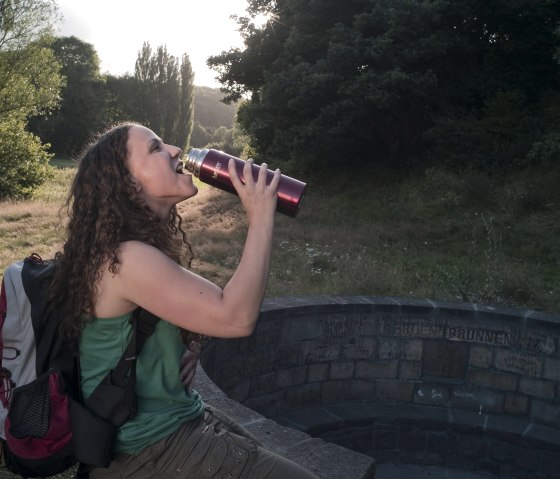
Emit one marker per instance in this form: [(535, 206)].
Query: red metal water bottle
[(211, 167)]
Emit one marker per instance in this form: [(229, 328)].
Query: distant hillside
[(209, 111)]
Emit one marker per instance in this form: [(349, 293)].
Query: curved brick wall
[(405, 380)]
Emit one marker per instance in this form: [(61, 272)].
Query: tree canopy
[(29, 73), (29, 84), (166, 89), (81, 110), (399, 82)]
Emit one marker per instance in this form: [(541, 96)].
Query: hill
[(209, 111)]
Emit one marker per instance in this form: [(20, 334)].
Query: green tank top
[(163, 404)]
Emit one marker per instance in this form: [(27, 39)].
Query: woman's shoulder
[(135, 249)]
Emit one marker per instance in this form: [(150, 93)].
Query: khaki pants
[(212, 446)]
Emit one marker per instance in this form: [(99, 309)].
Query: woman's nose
[(178, 151)]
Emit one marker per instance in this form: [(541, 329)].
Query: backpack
[(45, 425)]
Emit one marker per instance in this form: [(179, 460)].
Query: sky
[(118, 28)]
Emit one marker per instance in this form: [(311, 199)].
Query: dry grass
[(31, 227), (442, 236)]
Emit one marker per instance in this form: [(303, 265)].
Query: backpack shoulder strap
[(114, 399), (143, 325), (36, 275)]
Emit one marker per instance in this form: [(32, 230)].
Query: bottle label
[(217, 168)]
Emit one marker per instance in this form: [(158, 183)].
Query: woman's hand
[(258, 198), (189, 360)]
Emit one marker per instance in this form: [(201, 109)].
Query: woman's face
[(157, 171)]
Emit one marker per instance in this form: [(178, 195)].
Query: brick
[(545, 412), (359, 390), (332, 391), (377, 369), (410, 370), (297, 329), (475, 399), (286, 378), (492, 379), (389, 349), (320, 350), (403, 349), (480, 357), (445, 359), (552, 369), (516, 404), (537, 388), (303, 395), (360, 348), (341, 370), (432, 395), (317, 372), (386, 390), (525, 364), (413, 350)]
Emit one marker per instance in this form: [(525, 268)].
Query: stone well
[(340, 382)]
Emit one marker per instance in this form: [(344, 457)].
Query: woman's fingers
[(253, 182), (248, 172), (233, 176)]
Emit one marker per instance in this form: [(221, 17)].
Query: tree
[(82, 106), (121, 98), (24, 161), (29, 84), (332, 83), (29, 73), (186, 105), (165, 88)]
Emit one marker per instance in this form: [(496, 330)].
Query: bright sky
[(118, 28)]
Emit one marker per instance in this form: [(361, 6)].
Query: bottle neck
[(193, 160)]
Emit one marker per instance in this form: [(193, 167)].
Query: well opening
[(405, 381)]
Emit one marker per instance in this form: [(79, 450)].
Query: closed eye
[(155, 145)]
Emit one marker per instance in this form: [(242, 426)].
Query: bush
[(24, 161)]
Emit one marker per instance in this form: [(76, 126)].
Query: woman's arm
[(148, 278)]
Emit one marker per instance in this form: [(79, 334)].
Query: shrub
[(24, 161)]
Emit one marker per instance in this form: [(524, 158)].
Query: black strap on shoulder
[(114, 399), (143, 325)]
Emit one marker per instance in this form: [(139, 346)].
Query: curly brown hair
[(104, 209)]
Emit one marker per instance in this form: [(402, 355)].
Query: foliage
[(29, 79), (395, 82), (165, 94), (82, 107), (27, 165), (29, 84), (186, 105), (121, 98)]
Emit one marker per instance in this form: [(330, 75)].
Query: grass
[(467, 237)]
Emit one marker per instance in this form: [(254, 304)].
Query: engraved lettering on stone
[(521, 340), (418, 329), (519, 363)]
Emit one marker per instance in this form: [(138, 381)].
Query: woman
[(125, 249)]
